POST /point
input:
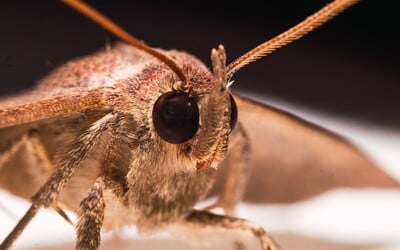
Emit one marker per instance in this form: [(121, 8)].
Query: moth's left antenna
[(112, 27)]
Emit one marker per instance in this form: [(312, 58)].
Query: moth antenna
[(112, 27), (310, 23)]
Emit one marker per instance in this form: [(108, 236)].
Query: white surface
[(368, 216)]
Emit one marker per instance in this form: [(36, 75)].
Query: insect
[(141, 132)]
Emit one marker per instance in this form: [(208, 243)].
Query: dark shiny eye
[(234, 113), (176, 117)]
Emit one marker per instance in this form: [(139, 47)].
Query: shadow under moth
[(134, 135)]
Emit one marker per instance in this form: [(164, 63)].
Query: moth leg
[(66, 162), (238, 172), (206, 219), (91, 215), (91, 209), (33, 144), (6, 155), (36, 146)]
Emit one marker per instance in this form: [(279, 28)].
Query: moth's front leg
[(238, 171), (91, 209), (66, 162), (205, 219), (32, 141), (91, 215), (40, 163), (10, 152)]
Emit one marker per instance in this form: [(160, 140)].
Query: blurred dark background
[(349, 67)]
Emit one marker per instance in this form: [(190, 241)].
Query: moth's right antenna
[(309, 24)]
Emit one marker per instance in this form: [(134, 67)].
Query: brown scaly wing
[(36, 105), (293, 159)]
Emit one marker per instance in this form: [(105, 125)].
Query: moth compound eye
[(175, 117), (234, 113)]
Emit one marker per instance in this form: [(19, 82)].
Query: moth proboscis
[(134, 136)]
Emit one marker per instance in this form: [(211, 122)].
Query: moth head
[(201, 124), (197, 117)]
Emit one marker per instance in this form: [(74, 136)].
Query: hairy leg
[(91, 209), (238, 172), (207, 219), (10, 152), (31, 144), (66, 162), (91, 215)]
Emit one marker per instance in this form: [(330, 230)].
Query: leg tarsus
[(23, 222), (91, 215), (61, 212), (207, 219)]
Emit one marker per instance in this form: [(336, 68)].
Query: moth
[(134, 135)]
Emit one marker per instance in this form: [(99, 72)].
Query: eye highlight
[(175, 117)]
